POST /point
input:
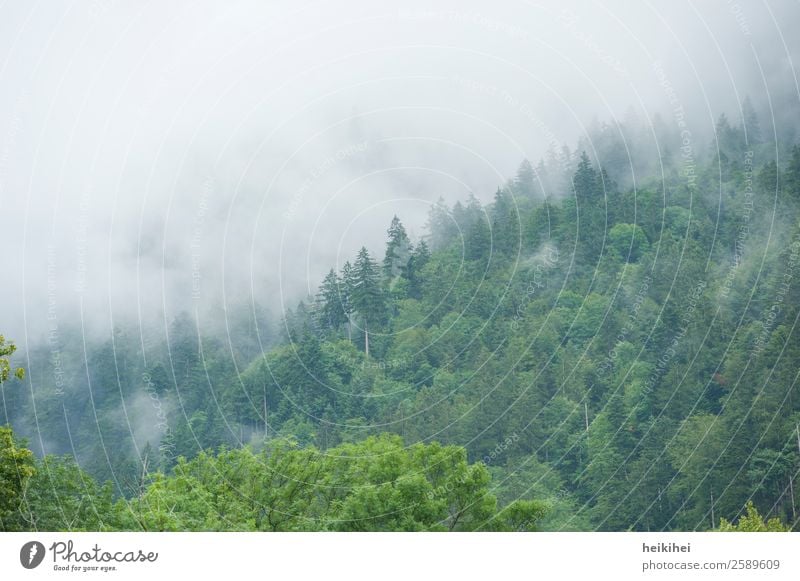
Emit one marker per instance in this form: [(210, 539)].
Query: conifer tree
[(347, 280), (398, 252), (478, 242), (750, 123), (505, 222), (585, 179), (331, 308), (523, 183), (440, 225), (793, 173), (420, 256), (367, 297)]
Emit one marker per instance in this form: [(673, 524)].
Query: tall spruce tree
[(347, 279), (398, 252), (584, 181), (523, 183), (331, 310), (420, 256), (505, 222), (441, 225), (367, 296)]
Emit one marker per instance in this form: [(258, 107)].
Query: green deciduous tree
[(16, 468), (628, 241), (752, 522), (6, 370)]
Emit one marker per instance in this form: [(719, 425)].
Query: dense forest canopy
[(610, 344)]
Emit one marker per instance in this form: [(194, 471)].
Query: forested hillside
[(610, 344)]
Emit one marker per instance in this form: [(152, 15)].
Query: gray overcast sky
[(153, 153)]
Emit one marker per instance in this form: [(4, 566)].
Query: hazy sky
[(164, 155)]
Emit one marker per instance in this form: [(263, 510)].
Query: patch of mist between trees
[(153, 428), (542, 261)]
